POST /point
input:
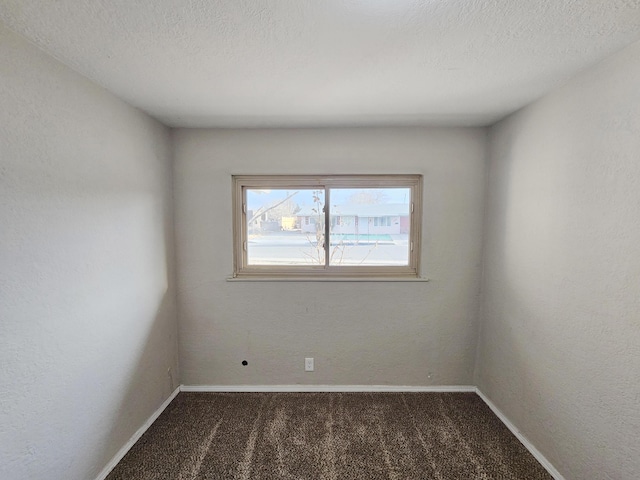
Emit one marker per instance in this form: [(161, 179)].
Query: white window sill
[(327, 279)]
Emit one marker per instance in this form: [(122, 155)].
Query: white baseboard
[(136, 436), (325, 388), (528, 445)]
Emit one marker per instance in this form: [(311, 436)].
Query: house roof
[(359, 210)]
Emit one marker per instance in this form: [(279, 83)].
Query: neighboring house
[(388, 218), (262, 223)]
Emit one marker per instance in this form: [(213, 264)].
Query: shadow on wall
[(149, 383), (89, 320)]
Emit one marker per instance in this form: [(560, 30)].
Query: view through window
[(312, 225)]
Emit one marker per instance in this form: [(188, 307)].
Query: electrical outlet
[(308, 364)]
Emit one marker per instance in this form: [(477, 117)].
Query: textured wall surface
[(359, 333), (559, 350), (87, 309), (327, 63)]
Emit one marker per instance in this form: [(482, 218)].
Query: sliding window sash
[(243, 183)]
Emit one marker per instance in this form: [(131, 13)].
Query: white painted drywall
[(358, 333), (559, 350), (87, 309)]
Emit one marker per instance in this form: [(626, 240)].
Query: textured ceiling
[(327, 62)]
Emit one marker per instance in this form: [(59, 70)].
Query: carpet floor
[(328, 436)]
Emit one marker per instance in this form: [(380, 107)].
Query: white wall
[(87, 310), (359, 333), (559, 351)]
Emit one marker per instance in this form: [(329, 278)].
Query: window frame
[(241, 268)]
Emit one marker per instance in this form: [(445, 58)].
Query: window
[(382, 221), (327, 226)]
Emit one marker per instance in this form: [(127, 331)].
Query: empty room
[(333, 239)]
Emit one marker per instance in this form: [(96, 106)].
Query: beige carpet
[(328, 436)]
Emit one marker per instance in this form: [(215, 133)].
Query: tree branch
[(262, 212)]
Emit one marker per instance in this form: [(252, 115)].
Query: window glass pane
[(285, 227), (369, 226)]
